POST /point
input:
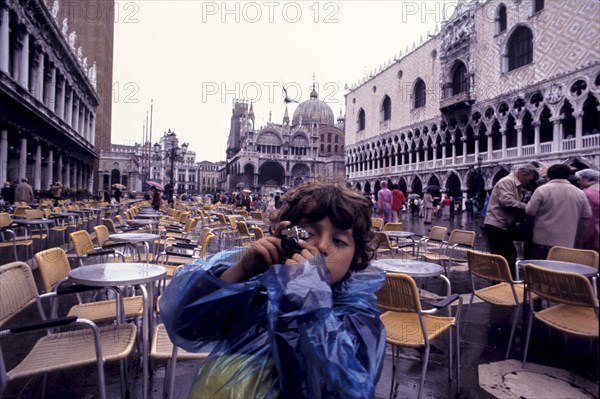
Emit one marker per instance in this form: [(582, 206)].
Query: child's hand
[(307, 251), (258, 258)]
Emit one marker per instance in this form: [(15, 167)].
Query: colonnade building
[(500, 83), (48, 98)]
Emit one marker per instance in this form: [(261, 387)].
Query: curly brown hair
[(346, 209)]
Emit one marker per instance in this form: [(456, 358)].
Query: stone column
[(444, 153), (60, 103), (519, 128), (93, 132), (578, 128), (503, 133), (556, 137), (50, 168), (67, 182), (536, 136), (23, 159), (69, 106), (37, 173), (4, 42), (52, 90), (24, 62), (434, 146), (3, 154), (490, 145), (476, 144), (464, 148), (90, 181), (75, 120), (59, 170), (39, 90), (453, 143)]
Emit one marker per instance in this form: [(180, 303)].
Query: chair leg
[(423, 370), (457, 358), (516, 312), (170, 375), (469, 310), (394, 387), (529, 323)]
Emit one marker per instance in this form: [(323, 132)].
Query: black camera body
[(289, 240)]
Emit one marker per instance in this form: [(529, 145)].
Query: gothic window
[(386, 109), (501, 19), (538, 5), (520, 48), (420, 94), (328, 147), (361, 119), (337, 139), (460, 81), (329, 137), (322, 147)]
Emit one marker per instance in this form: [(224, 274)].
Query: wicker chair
[(434, 242), (54, 270), (84, 248), (400, 298), (392, 226), (454, 250), (13, 236), (575, 306), (377, 224), (58, 351), (384, 245), (508, 293), (582, 256)]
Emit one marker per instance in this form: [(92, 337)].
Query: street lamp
[(172, 152)]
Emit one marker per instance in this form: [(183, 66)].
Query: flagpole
[(150, 143)]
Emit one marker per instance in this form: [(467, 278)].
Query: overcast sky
[(194, 57)]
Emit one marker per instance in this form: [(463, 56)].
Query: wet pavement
[(557, 367)]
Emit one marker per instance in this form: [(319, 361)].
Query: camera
[(289, 240)]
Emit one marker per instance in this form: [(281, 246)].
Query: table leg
[(145, 343)]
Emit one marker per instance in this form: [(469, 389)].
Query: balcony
[(456, 102)]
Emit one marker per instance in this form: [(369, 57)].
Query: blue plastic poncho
[(284, 333)]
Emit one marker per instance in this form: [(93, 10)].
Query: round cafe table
[(136, 238), (414, 268), (126, 274)]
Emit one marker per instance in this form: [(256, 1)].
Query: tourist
[(560, 209), (504, 207), (300, 324), (588, 237), (24, 192)]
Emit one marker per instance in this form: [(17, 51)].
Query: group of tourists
[(557, 213)]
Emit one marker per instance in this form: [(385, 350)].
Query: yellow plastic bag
[(236, 376)]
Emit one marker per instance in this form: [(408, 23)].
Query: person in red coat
[(398, 200)]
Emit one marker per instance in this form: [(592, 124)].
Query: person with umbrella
[(428, 205), (156, 198), (118, 194)]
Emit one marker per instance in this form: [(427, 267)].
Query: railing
[(458, 160), (470, 158), (511, 152), (592, 140), (568, 144), (528, 150), (497, 154), (546, 148)]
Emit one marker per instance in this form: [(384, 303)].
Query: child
[(298, 326)]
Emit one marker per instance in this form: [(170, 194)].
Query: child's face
[(335, 245)]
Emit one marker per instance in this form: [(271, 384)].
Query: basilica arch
[(271, 174)]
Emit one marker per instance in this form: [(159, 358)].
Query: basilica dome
[(313, 111)]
